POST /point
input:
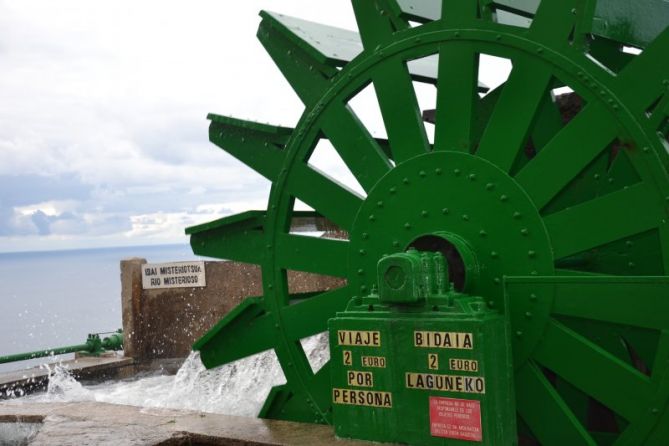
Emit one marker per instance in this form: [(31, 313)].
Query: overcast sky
[(103, 105)]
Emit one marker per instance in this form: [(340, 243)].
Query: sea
[(55, 298)]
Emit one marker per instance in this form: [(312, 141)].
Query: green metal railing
[(94, 345)]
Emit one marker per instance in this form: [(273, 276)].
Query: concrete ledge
[(25, 381), (90, 423)]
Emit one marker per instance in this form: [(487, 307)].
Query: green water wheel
[(552, 186)]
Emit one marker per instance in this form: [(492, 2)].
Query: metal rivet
[(361, 272), (445, 211), (496, 280), (437, 170), (372, 218), (528, 314), (362, 252), (646, 149), (405, 181), (631, 264), (498, 37), (424, 213), (465, 217), (489, 186), (457, 34), (482, 233), (396, 243), (393, 190), (531, 253), (407, 225), (494, 254), (472, 176), (456, 171), (422, 174), (519, 333), (379, 204), (268, 246), (503, 198), (363, 288), (540, 50), (491, 303), (524, 231), (629, 243), (365, 236), (533, 296)]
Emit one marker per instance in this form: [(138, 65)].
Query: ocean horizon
[(55, 298)]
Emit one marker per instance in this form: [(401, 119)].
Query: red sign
[(454, 418)]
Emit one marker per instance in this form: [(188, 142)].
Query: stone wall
[(164, 323)]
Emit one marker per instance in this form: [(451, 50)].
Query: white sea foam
[(239, 388)]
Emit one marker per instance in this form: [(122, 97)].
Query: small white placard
[(173, 275)]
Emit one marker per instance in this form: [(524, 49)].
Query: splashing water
[(238, 388)]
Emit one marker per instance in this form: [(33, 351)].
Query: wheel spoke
[(538, 401), (567, 154), (596, 372), (457, 97), (332, 199), (513, 117), (599, 221), (312, 254), (608, 300), (309, 317), (359, 150), (399, 107), (641, 81)]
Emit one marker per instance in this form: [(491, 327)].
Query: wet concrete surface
[(91, 423)]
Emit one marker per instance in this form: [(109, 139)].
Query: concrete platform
[(24, 381), (89, 423)]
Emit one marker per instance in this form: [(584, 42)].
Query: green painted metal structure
[(94, 345), (414, 344), (556, 204)]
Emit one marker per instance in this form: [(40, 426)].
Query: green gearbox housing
[(419, 363)]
